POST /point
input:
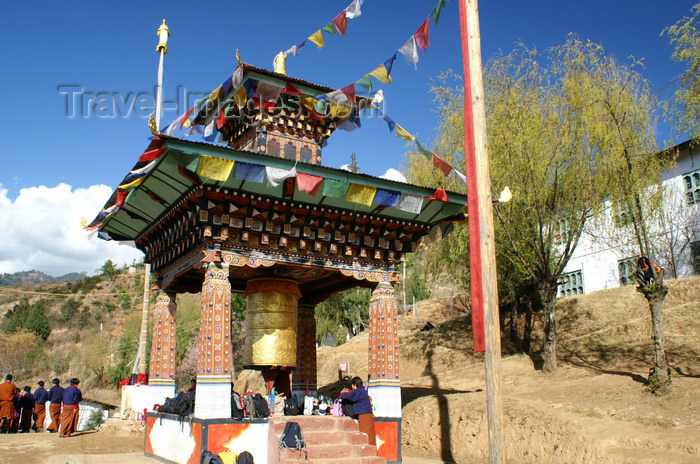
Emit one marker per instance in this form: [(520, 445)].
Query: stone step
[(309, 423)]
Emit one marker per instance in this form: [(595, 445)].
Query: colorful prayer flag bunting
[(362, 194), (317, 38), (151, 155), (422, 36), (441, 165), (403, 133), (335, 188), (276, 175), (439, 195), (330, 28), (435, 14), (387, 197), (308, 183), (410, 51), (382, 74), (410, 203), (249, 171), (354, 9), (341, 23)]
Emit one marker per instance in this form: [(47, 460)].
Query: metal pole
[(481, 233)]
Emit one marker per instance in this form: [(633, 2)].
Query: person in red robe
[(40, 398), (56, 398), (8, 390), (71, 407)]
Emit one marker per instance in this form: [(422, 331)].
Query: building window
[(305, 155), (561, 231), (627, 269), (290, 152), (692, 188), (570, 283), (695, 252)]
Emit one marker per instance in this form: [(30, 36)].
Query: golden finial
[(280, 62), (238, 58), (163, 34), (83, 223), (152, 125)]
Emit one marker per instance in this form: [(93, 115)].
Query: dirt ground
[(594, 409)]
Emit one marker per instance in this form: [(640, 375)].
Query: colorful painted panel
[(173, 440), (388, 440), (230, 440)]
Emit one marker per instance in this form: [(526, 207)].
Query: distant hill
[(35, 277)]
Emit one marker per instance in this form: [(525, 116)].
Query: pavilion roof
[(167, 172)]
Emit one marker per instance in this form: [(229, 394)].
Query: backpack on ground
[(237, 407), (337, 408), (211, 458), (245, 458), (262, 409), (292, 439), (290, 409), (250, 410)]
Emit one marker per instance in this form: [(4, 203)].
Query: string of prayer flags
[(410, 203), (338, 24), (422, 36), (365, 82), (121, 198), (341, 23), (177, 123), (335, 188), (186, 120), (209, 133), (362, 194), (354, 9), (352, 122), (217, 169), (389, 122), (296, 49), (387, 197), (461, 177), (423, 150), (435, 14), (249, 171), (308, 183), (439, 195), (132, 184), (403, 133), (383, 71), (275, 176), (196, 129), (409, 50)]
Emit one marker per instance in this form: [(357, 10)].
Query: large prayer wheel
[(271, 323)]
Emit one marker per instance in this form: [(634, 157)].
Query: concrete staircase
[(329, 440)]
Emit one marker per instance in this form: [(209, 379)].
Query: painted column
[(305, 374), (161, 378), (213, 394), (383, 364)]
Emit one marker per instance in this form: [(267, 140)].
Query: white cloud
[(41, 230), (393, 174)]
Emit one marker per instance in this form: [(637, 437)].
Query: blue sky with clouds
[(110, 47)]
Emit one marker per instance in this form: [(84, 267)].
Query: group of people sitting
[(24, 410)]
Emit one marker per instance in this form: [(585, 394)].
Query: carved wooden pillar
[(383, 364), (213, 394), (162, 367), (304, 375)]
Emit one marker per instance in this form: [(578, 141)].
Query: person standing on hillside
[(362, 407), (26, 402), (40, 397), (8, 390), (71, 406), (56, 398)]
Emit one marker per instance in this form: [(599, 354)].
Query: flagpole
[(484, 284), (162, 49)]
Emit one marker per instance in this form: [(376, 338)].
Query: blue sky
[(110, 47)]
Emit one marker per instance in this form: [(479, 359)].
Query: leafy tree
[(685, 39), (68, 308), (37, 321), (344, 313), (109, 269)]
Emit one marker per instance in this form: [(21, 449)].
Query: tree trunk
[(660, 373), (513, 315), (527, 330), (550, 331)]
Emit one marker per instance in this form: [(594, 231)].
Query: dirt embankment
[(595, 408)]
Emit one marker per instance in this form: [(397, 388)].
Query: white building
[(606, 256)]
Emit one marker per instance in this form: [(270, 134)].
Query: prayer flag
[(194, 129), (240, 97), (296, 49), (353, 10), (403, 133), (121, 196), (423, 150), (388, 64), (362, 194), (308, 183), (249, 171), (276, 175), (441, 165), (439, 195), (352, 122), (132, 184), (435, 14), (335, 188), (214, 168), (422, 36), (250, 86), (410, 203), (461, 176), (150, 155), (268, 92), (389, 122), (365, 82), (170, 130), (387, 197), (378, 99), (237, 77), (410, 51), (209, 132), (226, 85), (221, 118), (187, 116), (330, 28), (341, 23), (290, 89), (349, 91), (317, 38), (382, 74)]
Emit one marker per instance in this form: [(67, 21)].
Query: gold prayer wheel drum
[(271, 323)]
